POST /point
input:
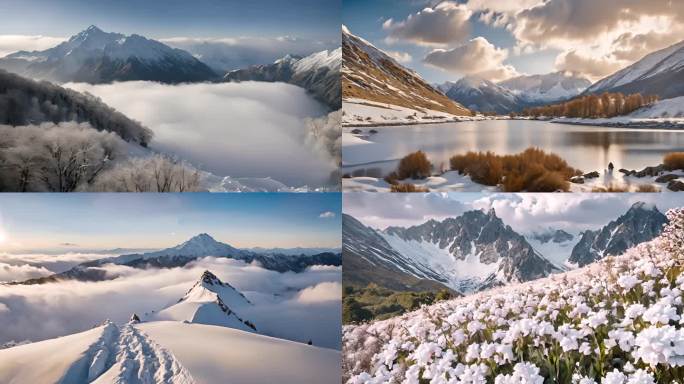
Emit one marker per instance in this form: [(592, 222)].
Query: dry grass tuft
[(533, 170)]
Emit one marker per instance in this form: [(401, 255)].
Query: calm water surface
[(589, 148)]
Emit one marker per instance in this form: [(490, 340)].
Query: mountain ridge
[(199, 246), (370, 74), (94, 56)]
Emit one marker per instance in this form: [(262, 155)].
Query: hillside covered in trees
[(594, 106), (28, 102)]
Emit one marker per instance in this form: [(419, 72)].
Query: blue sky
[(318, 19), (105, 221), (512, 37)]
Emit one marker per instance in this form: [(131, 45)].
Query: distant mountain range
[(319, 73), (515, 94), (370, 74), (477, 250), (95, 56), (197, 247)]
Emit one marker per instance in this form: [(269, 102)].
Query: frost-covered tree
[(324, 135), (157, 173), (54, 158), (28, 102)]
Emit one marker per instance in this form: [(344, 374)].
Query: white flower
[(661, 312), (628, 281), (640, 377), (634, 310), (614, 377), (664, 345), (523, 373)]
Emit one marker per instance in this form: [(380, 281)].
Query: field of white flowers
[(618, 321)]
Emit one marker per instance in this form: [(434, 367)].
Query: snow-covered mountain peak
[(210, 301), (222, 291), (205, 245), (95, 56), (642, 206)]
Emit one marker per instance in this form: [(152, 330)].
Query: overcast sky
[(498, 39), (525, 212), (106, 221)]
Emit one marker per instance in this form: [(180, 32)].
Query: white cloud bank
[(248, 129), (299, 306), (13, 43), (476, 57), (443, 24), (524, 212)]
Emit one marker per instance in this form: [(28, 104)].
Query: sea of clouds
[(248, 129), (296, 306)]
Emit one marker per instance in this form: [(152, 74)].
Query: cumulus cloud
[(476, 57), (404, 209), (328, 291), (445, 23), (402, 57), (604, 34), (13, 43), (9, 272), (524, 212), (40, 264), (593, 68), (287, 305), (225, 54), (248, 129), (327, 215)]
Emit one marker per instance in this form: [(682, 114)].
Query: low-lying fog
[(295, 306), (248, 129)]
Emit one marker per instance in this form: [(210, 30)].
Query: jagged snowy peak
[(210, 301), (467, 253), (96, 56), (319, 73), (370, 74), (473, 251), (660, 73), (642, 222), (481, 95), (551, 87)]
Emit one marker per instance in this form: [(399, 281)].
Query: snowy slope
[(210, 301), (105, 355), (657, 73), (168, 353), (56, 356), (668, 108), (216, 355)]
